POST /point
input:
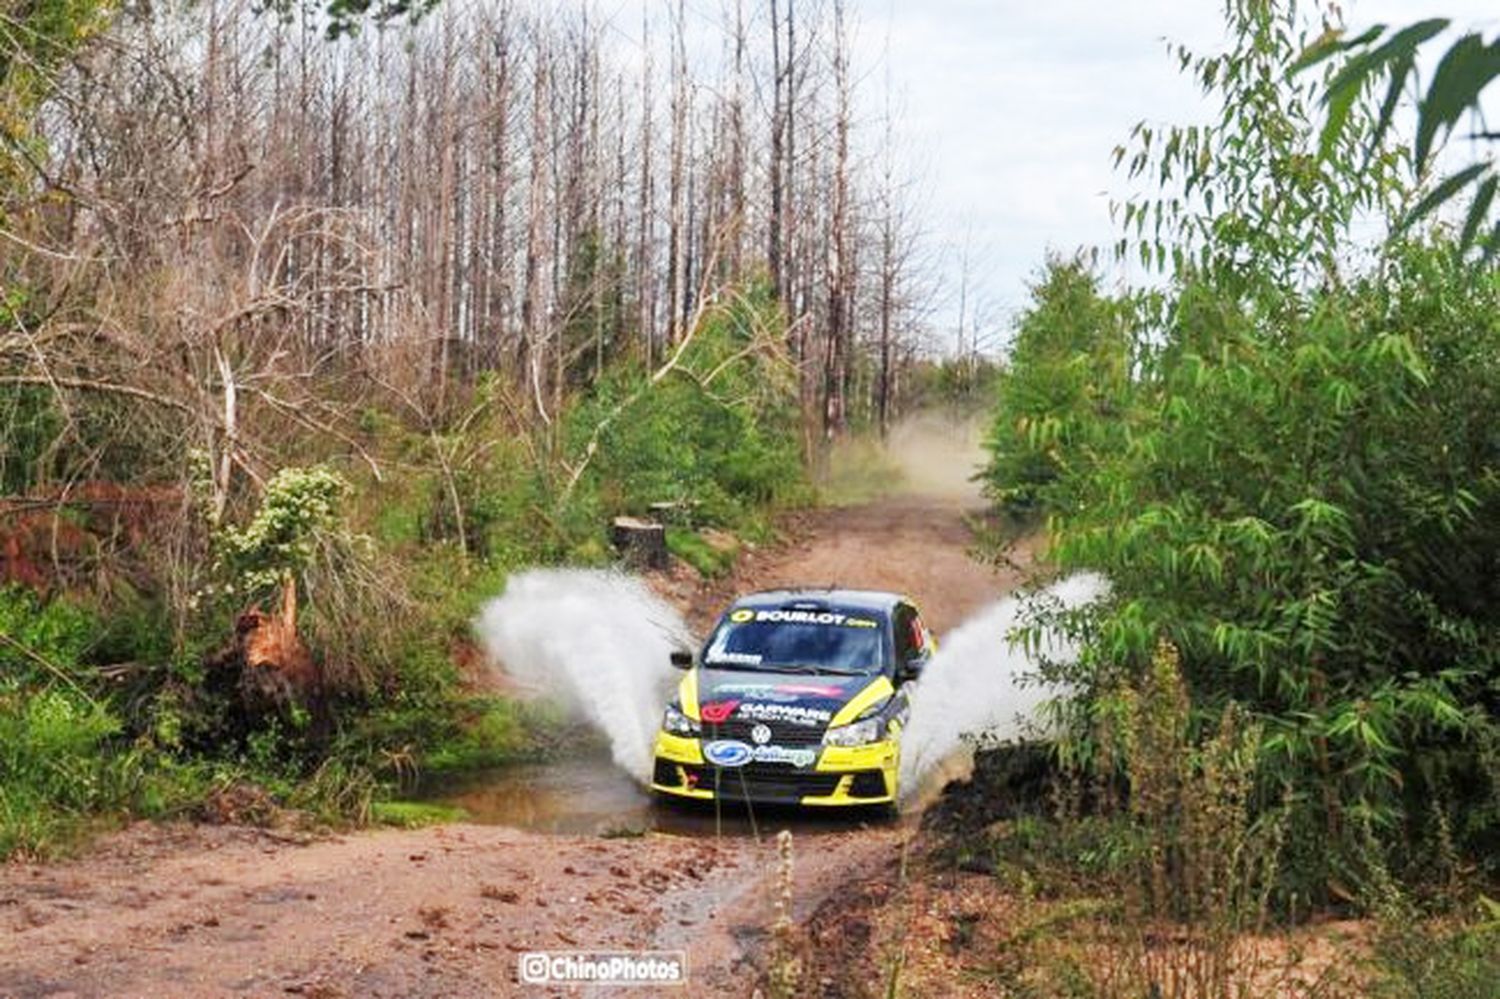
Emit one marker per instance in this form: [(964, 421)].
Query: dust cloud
[(931, 454), (980, 682), (597, 642), (938, 455)]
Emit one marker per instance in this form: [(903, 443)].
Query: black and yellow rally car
[(798, 697)]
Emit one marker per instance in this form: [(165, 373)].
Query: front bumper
[(841, 775)]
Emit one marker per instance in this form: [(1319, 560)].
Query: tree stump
[(268, 661), (641, 543)]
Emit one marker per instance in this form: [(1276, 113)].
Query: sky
[(1009, 112)]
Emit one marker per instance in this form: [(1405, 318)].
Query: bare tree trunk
[(780, 74), (836, 361), (736, 193), (676, 195), (533, 312), (644, 262)]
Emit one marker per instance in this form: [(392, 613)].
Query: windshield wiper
[(825, 670), (802, 669)]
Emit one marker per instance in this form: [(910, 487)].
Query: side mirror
[(682, 659), (911, 669)]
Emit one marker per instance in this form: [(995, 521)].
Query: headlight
[(859, 734), (677, 723)]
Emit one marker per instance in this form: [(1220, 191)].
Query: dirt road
[(226, 911)]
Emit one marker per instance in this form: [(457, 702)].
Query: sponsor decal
[(833, 618), (781, 754), (760, 734), (736, 659), (796, 714), (733, 753), (780, 691), (718, 712), (727, 753)]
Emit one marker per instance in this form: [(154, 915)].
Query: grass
[(858, 470), (497, 732), (712, 556), (414, 814)]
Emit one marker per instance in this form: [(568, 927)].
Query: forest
[(319, 322), (300, 304)]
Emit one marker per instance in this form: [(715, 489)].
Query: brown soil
[(180, 910), (917, 545)]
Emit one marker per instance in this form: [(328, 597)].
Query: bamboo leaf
[(1479, 209), (1440, 195)]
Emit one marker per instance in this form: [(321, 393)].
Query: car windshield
[(794, 641)]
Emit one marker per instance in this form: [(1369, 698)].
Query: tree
[(1062, 400), (1466, 70), (1303, 500)]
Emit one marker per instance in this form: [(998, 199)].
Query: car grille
[(782, 734), (771, 780), (867, 784)]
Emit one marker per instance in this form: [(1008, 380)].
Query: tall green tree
[(1305, 501), (1062, 398)]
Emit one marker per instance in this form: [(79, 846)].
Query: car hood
[(799, 699)]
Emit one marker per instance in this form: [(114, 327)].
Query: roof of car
[(866, 600)]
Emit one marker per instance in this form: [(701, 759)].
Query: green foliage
[(298, 511), (1306, 517), (701, 553), (1304, 494), (1467, 69), (56, 632), (960, 385), (55, 739), (348, 17), (1256, 198), (29, 425), (415, 814), (717, 433), (1062, 400), (1422, 959), (496, 733), (55, 767), (38, 39)]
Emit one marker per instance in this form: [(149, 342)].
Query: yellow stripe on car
[(687, 692), (875, 756), (873, 694), (678, 748)]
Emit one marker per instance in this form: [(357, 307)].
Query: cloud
[(1017, 107)]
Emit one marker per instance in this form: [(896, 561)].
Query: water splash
[(595, 641), (981, 683)]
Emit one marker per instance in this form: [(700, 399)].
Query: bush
[(1418, 959), (1306, 517), (1303, 493), (718, 433), (1060, 405)]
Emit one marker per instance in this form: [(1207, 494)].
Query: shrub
[(1305, 498), (718, 433), (1061, 404)]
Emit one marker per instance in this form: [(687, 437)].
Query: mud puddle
[(589, 796)]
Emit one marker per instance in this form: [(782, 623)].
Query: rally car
[(797, 697)]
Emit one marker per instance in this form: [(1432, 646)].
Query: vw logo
[(727, 753), (760, 734)]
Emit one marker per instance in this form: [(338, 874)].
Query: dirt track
[(222, 911)]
